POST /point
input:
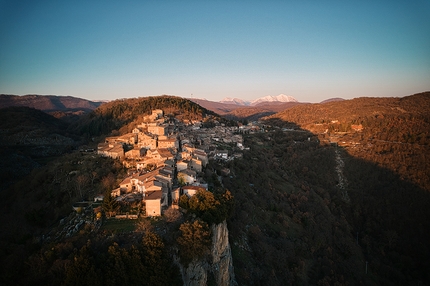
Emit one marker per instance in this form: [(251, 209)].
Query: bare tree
[(66, 187), (144, 225), (172, 214), (108, 182), (94, 176), (80, 184)]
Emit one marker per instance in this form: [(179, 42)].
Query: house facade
[(192, 190), (153, 203), (187, 176), (113, 150)]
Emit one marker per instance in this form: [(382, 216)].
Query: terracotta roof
[(126, 181), (153, 195), (164, 152), (189, 172), (198, 152), (168, 140)]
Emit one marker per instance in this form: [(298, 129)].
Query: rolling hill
[(338, 195), (49, 103), (231, 110), (392, 132), (29, 136), (123, 113)]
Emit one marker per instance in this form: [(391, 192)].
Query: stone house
[(136, 130), (129, 139), (147, 141), (165, 154), (196, 164), (158, 113), (202, 156), (153, 203), (165, 177), (159, 130), (153, 154), (169, 163), (188, 148), (185, 155), (182, 165), (166, 142), (136, 152), (113, 150), (191, 190), (140, 183), (187, 176), (140, 165)]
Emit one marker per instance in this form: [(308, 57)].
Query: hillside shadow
[(387, 218), (58, 104), (251, 117)]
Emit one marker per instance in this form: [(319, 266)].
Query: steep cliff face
[(217, 266)]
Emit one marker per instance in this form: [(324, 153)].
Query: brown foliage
[(172, 214), (194, 240)]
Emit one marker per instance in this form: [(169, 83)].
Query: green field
[(119, 225)]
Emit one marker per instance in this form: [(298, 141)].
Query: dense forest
[(395, 131), (297, 222), (28, 137)]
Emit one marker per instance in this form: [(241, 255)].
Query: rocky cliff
[(217, 266)]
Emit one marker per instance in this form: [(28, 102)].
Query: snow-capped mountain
[(236, 101), (280, 98)]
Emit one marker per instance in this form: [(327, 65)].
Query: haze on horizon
[(310, 50)]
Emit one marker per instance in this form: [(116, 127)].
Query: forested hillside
[(358, 110), (116, 114), (354, 212), (395, 132), (48, 103), (311, 214), (28, 137)]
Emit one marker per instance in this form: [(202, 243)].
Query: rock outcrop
[(217, 266)]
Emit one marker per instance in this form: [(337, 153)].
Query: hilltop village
[(165, 158)]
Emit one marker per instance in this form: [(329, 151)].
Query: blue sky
[(311, 50)]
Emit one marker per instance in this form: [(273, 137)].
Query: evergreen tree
[(110, 205), (194, 241), (82, 270)]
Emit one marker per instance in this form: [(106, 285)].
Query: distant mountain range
[(69, 107), (332, 99), (238, 109), (49, 103), (282, 98), (248, 112)]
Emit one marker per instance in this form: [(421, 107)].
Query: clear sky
[(311, 50)]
